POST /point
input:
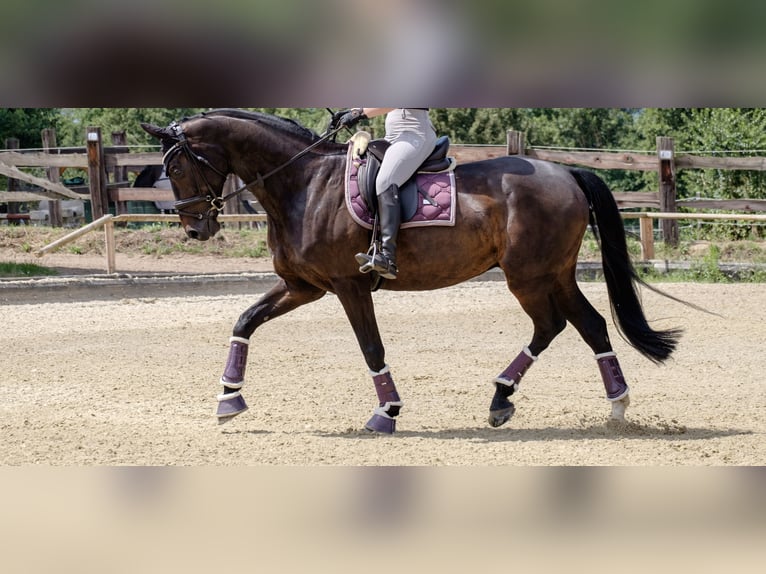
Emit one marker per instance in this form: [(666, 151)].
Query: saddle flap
[(408, 199), (366, 176)]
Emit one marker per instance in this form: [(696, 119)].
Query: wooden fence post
[(120, 174), (234, 207), (515, 142), (48, 136), (111, 256), (667, 173), (99, 200), (13, 184), (646, 229)]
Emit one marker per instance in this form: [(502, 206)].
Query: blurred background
[(284, 53), (77, 520)]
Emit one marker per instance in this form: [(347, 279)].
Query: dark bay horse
[(525, 216)]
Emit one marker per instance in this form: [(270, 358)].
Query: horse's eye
[(176, 171)]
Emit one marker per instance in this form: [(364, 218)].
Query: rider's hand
[(347, 118)]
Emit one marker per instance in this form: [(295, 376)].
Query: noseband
[(214, 202)]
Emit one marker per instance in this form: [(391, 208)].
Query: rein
[(215, 202)]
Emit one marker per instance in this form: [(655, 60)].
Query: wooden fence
[(108, 221), (107, 168)]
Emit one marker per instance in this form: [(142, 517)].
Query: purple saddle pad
[(440, 187)]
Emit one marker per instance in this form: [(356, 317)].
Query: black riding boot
[(390, 215)]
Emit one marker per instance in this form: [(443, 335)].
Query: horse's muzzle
[(202, 230), (195, 234)]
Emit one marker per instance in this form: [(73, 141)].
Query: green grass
[(157, 240), (162, 240), (24, 270), (704, 258)]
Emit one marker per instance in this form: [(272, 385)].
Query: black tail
[(621, 278)]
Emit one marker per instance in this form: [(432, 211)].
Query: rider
[(412, 138)]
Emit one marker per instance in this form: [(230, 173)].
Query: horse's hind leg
[(592, 327), (548, 322), (278, 301)]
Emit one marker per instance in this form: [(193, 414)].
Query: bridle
[(215, 202)]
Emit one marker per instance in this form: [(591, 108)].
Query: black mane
[(277, 122)]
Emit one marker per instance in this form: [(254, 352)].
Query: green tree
[(736, 131), (25, 124), (601, 128), (723, 129), (454, 122), (76, 120), (610, 128)]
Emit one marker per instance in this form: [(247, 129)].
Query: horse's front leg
[(356, 298), (283, 297)]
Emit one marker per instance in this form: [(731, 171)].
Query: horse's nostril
[(192, 233)]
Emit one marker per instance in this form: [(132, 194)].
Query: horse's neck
[(259, 153), (256, 151)]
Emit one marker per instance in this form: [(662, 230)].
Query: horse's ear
[(156, 131)]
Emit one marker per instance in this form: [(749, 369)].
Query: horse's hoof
[(224, 419), (230, 406), (618, 408), (381, 424), (500, 417)]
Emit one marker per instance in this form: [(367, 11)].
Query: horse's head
[(197, 171)]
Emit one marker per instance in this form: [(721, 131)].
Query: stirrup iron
[(366, 260)]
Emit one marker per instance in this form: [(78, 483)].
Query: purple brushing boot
[(231, 403), (383, 420), (617, 391), (512, 375), (507, 383)]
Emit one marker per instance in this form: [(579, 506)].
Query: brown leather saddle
[(371, 159)]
